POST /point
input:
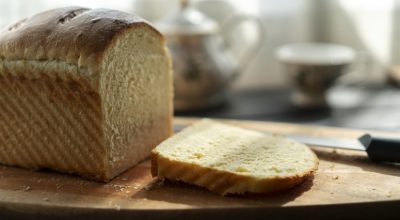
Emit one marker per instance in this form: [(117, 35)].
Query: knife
[(378, 149)]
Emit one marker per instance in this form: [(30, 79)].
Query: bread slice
[(227, 159), (85, 91)]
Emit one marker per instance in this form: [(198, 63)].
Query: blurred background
[(262, 89)]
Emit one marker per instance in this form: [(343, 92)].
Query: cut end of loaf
[(227, 159), (136, 89)]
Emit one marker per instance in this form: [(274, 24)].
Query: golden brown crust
[(72, 36), (223, 182), (51, 124)]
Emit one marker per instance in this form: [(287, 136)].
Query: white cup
[(313, 68)]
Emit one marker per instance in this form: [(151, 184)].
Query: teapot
[(203, 64)]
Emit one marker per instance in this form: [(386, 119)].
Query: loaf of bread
[(227, 159), (83, 91)]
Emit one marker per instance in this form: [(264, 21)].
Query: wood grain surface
[(346, 184)]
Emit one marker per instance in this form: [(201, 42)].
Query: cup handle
[(358, 70), (230, 25)]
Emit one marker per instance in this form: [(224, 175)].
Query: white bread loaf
[(227, 159), (83, 91)]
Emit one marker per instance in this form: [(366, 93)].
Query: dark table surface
[(371, 107)]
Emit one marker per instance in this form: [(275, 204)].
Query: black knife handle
[(381, 149)]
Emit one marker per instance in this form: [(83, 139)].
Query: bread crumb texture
[(253, 161)]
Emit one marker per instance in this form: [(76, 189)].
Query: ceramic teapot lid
[(187, 20)]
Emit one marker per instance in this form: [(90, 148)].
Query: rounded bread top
[(72, 35)]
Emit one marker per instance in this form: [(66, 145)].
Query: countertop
[(368, 107)]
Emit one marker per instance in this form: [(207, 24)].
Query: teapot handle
[(231, 24)]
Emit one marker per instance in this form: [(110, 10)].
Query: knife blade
[(378, 149), (340, 143)]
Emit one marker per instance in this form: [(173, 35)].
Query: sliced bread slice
[(228, 160)]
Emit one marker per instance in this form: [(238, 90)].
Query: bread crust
[(223, 182), (63, 43)]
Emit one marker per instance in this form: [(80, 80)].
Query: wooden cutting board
[(346, 184)]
